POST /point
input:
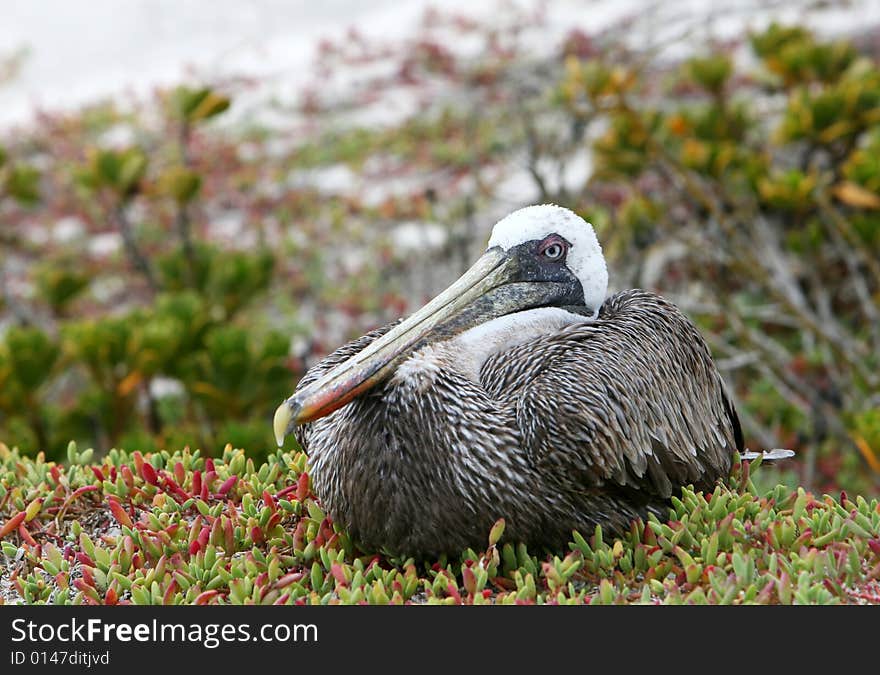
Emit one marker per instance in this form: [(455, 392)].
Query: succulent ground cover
[(178, 528)]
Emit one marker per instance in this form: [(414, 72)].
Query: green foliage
[(26, 359), (97, 380), (863, 165), (624, 150), (788, 191), (228, 374), (226, 280), (27, 356), (180, 183), (102, 345), (711, 72), (22, 183), (792, 53), (197, 104), (235, 373), (120, 171), (59, 283), (838, 112), (198, 531), (19, 180)]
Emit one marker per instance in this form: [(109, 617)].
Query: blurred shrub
[(18, 180), (746, 189), (59, 283), (170, 369), (775, 199)]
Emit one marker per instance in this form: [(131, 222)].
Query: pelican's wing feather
[(631, 400)]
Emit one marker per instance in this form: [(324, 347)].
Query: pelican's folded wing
[(631, 400)]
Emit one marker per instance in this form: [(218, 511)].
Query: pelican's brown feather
[(632, 400), (593, 424)]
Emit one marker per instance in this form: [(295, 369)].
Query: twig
[(766, 438), (24, 314), (182, 219), (751, 265), (184, 230), (866, 257), (534, 154), (137, 258), (854, 259)]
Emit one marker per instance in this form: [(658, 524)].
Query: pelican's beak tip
[(281, 422)]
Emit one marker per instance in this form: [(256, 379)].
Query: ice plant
[(224, 530)]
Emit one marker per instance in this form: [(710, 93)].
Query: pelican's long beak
[(487, 290)]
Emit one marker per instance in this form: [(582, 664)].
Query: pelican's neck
[(468, 351), (474, 346)]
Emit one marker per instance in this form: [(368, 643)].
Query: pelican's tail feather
[(775, 453)]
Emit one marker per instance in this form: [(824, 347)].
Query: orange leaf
[(867, 453), (854, 194), (207, 390), (119, 513), (12, 523), (128, 384)]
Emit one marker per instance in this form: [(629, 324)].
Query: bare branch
[(135, 255)]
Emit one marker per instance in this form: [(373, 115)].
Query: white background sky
[(82, 50), (78, 51)]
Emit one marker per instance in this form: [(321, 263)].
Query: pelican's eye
[(553, 249)]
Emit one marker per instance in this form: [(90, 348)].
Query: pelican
[(520, 392)]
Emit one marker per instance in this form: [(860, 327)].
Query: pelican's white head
[(583, 256)]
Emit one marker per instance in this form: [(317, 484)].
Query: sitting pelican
[(520, 392)]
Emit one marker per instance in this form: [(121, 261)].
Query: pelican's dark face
[(539, 256)]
